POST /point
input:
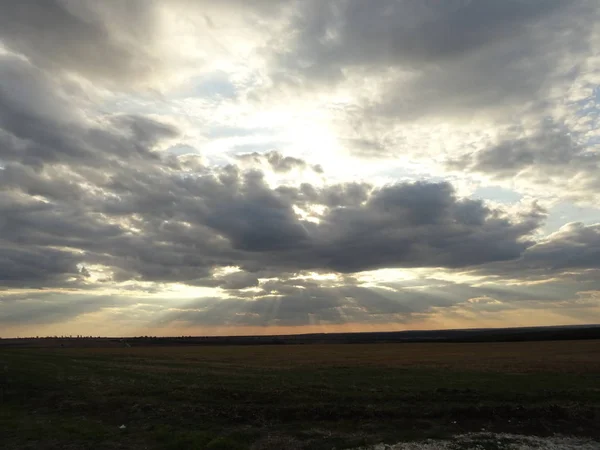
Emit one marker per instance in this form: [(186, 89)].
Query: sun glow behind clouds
[(373, 277), (317, 276)]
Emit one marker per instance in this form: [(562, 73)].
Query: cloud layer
[(306, 164)]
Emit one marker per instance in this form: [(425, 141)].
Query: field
[(293, 396)]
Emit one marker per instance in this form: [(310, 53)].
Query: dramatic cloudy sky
[(233, 167)]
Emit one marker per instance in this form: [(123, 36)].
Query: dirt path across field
[(493, 441)]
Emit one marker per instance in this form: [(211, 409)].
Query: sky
[(230, 167)]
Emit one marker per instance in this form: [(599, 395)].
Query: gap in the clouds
[(181, 149), (211, 85), (563, 213), (497, 194)]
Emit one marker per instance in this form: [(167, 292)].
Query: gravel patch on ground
[(493, 441)]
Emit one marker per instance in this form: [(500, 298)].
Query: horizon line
[(302, 334)]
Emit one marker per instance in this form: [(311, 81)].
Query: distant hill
[(465, 335)]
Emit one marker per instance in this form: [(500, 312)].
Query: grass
[(293, 397)]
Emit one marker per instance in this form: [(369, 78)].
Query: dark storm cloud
[(337, 34), (52, 167), (29, 266), (187, 225), (549, 149), (238, 280), (34, 116), (40, 124), (143, 133), (51, 182), (572, 252), (108, 41), (57, 225), (549, 156), (101, 180), (42, 242), (419, 225), (232, 217), (439, 59), (49, 308), (342, 195), (575, 246)]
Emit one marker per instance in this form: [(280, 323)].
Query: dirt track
[(492, 441)]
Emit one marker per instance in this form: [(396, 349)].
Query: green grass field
[(292, 397)]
